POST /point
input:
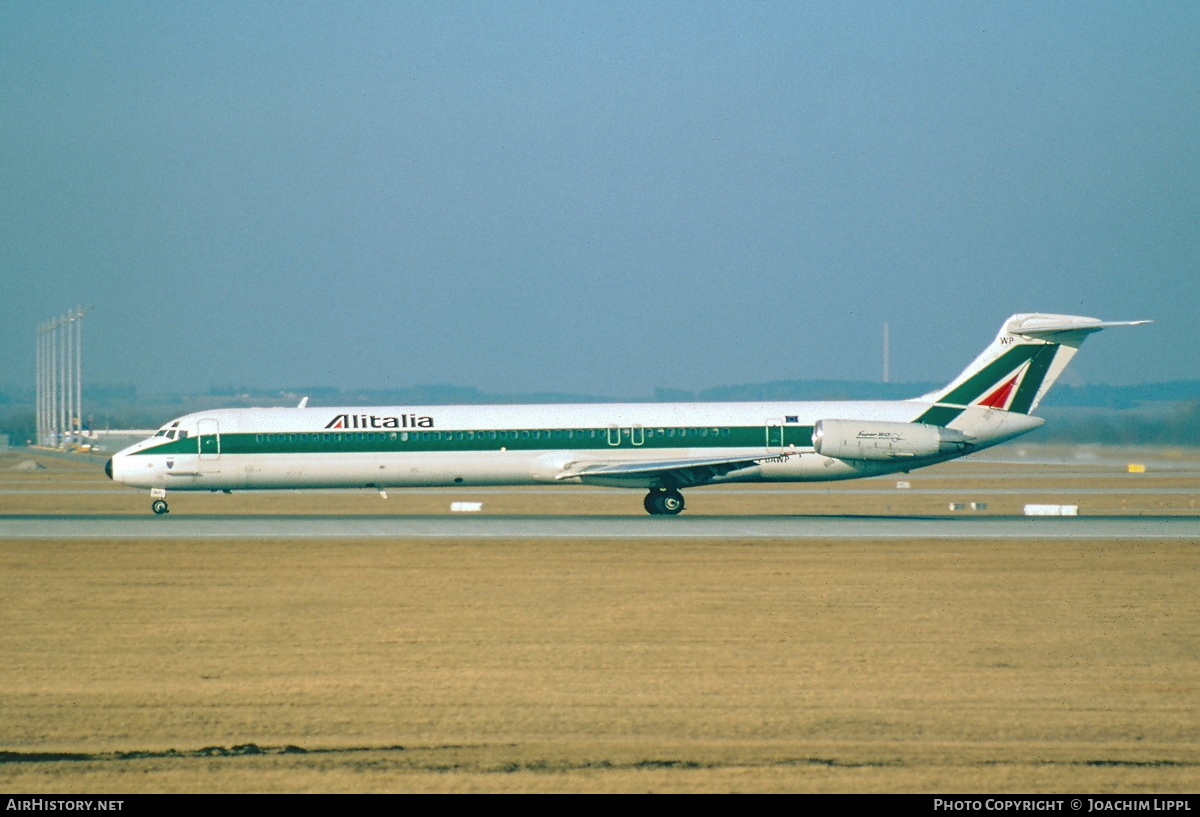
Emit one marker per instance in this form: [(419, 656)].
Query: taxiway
[(596, 527)]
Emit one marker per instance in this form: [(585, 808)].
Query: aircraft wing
[(679, 473)]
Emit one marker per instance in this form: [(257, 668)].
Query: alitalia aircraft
[(661, 448)]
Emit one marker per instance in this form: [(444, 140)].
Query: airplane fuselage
[(354, 447)]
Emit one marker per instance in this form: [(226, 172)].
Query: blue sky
[(598, 198)]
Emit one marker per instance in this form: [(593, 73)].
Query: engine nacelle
[(864, 440)]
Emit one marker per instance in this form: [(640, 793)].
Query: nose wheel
[(663, 502), (159, 506)]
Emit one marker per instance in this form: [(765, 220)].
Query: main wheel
[(671, 502), (159, 506), (649, 504), (663, 502)]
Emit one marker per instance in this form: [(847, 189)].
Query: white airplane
[(662, 447)]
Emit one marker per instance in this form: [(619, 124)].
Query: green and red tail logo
[(1010, 382)]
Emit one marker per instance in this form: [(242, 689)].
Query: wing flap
[(677, 472)]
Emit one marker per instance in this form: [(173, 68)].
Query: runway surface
[(598, 527)]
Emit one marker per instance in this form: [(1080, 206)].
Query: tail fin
[(1018, 368)]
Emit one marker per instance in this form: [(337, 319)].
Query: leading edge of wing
[(641, 468)]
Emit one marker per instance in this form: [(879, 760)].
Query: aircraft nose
[(108, 468)]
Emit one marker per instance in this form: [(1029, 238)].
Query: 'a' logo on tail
[(1009, 382), (998, 399)]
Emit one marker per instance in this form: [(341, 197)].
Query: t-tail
[(1014, 373)]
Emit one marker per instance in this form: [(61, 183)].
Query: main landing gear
[(663, 501)]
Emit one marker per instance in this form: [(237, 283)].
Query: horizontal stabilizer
[(1041, 326)]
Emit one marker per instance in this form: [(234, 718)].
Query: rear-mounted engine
[(860, 440)]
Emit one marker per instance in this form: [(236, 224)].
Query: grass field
[(269, 665)]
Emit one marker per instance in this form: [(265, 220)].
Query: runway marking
[(598, 527)]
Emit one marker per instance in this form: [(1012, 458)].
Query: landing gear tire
[(663, 502), (159, 506)]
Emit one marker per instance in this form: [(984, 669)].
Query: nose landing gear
[(159, 505), (663, 502)]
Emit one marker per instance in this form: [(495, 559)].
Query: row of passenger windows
[(585, 434)]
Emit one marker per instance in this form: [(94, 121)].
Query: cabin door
[(208, 439), (774, 428)]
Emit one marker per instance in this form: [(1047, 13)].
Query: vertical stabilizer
[(1015, 372)]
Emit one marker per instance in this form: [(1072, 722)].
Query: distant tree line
[(1166, 424)]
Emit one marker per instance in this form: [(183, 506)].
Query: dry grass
[(416, 665)]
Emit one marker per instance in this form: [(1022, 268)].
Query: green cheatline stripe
[(940, 415), (625, 438), (1022, 403)]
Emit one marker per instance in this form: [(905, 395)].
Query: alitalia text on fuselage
[(343, 421)]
